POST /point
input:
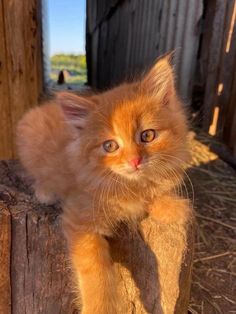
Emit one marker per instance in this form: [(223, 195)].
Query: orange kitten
[(109, 158)]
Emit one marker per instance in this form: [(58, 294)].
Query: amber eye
[(110, 146), (148, 136)]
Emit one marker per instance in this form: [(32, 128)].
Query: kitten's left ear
[(75, 108), (159, 81)]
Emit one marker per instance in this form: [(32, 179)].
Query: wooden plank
[(136, 34), (151, 37), (129, 36), (121, 42), (142, 34), (171, 23), (226, 75), (103, 54), (5, 252), (179, 38), (138, 31), (39, 265), (147, 31), (6, 146), (215, 47), (31, 33), (113, 53), (88, 44), (14, 23), (229, 134), (43, 46), (208, 21), (133, 21), (164, 21), (94, 58), (90, 13), (190, 45), (39, 270), (231, 141), (23, 55)]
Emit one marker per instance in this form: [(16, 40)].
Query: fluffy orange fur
[(61, 145)]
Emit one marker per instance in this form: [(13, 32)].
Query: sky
[(66, 22)]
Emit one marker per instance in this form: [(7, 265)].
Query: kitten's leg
[(94, 270), (170, 209)]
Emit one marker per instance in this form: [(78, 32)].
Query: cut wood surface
[(152, 265)]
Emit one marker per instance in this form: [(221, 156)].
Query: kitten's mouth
[(135, 170), (133, 173)]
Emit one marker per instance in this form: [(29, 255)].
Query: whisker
[(176, 159), (173, 171), (167, 175), (104, 196), (95, 197)]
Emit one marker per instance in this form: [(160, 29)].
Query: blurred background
[(63, 44), (50, 45), (65, 41)]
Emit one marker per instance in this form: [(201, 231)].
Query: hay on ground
[(214, 269)]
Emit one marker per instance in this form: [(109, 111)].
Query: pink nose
[(135, 162)]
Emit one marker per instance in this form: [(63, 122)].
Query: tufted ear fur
[(159, 81), (76, 108)]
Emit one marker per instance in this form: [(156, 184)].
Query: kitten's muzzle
[(135, 162)]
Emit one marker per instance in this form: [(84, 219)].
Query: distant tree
[(61, 78), (69, 62)]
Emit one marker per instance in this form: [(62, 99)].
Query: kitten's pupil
[(148, 135), (110, 146)]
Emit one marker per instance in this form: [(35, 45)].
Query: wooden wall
[(21, 74), (217, 66), (124, 37)]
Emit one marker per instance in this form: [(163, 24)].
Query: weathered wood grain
[(5, 247), (215, 46), (227, 99), (230, 127), (6, 142), (40, 271), (217, 69), (21, 74), (134, 33)]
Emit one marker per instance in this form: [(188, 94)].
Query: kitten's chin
[(131, 174)]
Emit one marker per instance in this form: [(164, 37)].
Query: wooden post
[(21, 74), (153, 266)]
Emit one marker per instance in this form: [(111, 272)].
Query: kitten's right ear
[(75, 108), (159, 81)]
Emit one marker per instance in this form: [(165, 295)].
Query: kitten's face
[(135, 130), (135, 138)]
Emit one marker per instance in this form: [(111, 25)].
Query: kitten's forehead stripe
[(125, 121)]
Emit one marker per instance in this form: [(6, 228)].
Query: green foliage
[(76, 64)]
